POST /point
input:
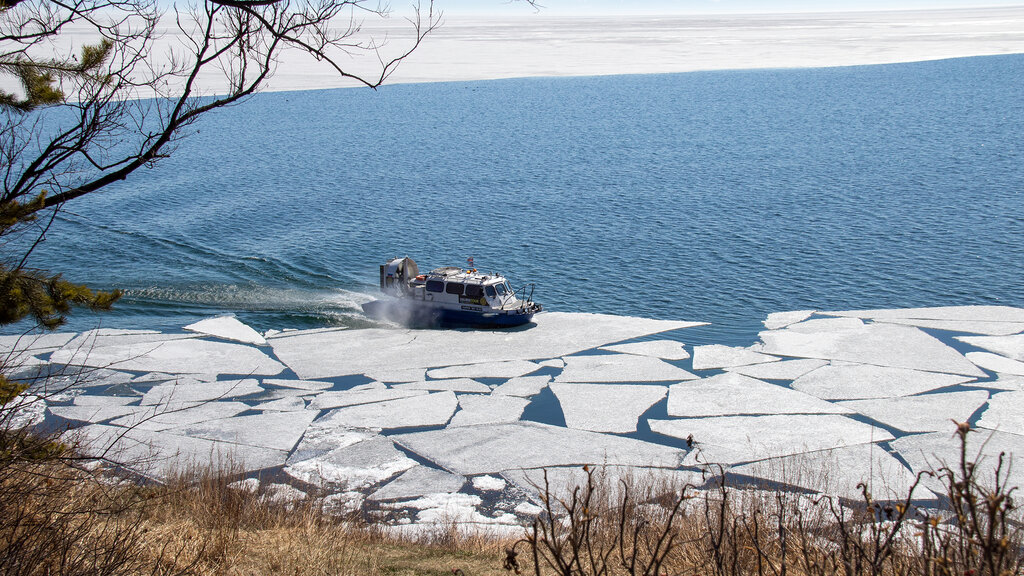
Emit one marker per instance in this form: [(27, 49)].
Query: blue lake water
[(714, 196)]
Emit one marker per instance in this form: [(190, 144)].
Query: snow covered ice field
[(436, 425)]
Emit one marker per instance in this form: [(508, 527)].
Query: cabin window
[(490, 291), (435, 286), (474, 290), (453, 288), (501, 289)]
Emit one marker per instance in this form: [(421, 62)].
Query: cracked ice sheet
[(94, 412), (735, 439), (715, 356), (491, 448), (524, 386), (620, 368), (860, 381), (504, 369), (937, 449), (455, 385), (312, 385), (277, 430), (962, 313), (189, 355), (474, 409), (1010, 346), (187, 390), (287, 404), (448, 509), (1005, 412), (970, 327), (925, 413), (785, 370), (664, 349), (330, 354), (227, 328), (997, 363), (419, 481), (878, 344), (341, 398), (156, 454), (606, 407), (164, 416), (356, 466), (563, 480), (734, 394), (19, 351), (777, 320), (837, 472), (427, 410)]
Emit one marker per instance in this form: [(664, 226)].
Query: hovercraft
[(449, 296)]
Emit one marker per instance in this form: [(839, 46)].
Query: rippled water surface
[(717, 196)]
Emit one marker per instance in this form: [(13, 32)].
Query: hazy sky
[(595, 7)]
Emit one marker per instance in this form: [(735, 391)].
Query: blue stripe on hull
[(425, 315)]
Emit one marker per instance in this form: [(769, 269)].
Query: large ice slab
[(341, 398), (606, 407), (93, 412), (714, 356), (777, 320), (475, 409), (187, 390), (356, 466), (878, 344), (925, 413), (286, 404), (156, 454), (455, 385), (856, 381), (1005, 413), (18, 351), (394, 374), (427, 410), (562, 481), (664, 349), (312, 385), (1009, 346), (620, 368), (165, 416), (938, 449), (524, 386), (838, 472), (553, 334), (491, 448), (502, 369), (734, 394), (419, 481), (735, 439), (966, 313), (277, 430), (997, 363), (228, 328), (188, 355), (785, 370), (968, 326)]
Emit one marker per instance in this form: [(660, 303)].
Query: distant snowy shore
[(416, 422)]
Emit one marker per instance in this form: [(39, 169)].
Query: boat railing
[(525, 293)]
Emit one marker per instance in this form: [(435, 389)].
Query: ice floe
[(997, 363), (735, 439), (838, 472), (329, 354), (735, 394), (489, 484), (166, 416), (187, 390), (287, 404), (475, 409), (878, 344), (664, 349), (356, 466), (492, 448), (1009, 346), (563, 480), (524, 386), (419, 481), (963, 313), (93, 412), (857, 381), (426, 410), (392, 374), (606, 407), (503, 369), (967, 326), (785, 370), (189, 355), (714, 356), (277, 430), (342, 398), (1005, 413), (227, 328), (620, 368), (455, 385), (942, 449), (778, 320), (924, 413), (312, 385)]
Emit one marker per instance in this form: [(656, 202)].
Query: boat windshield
[(502, 289)]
